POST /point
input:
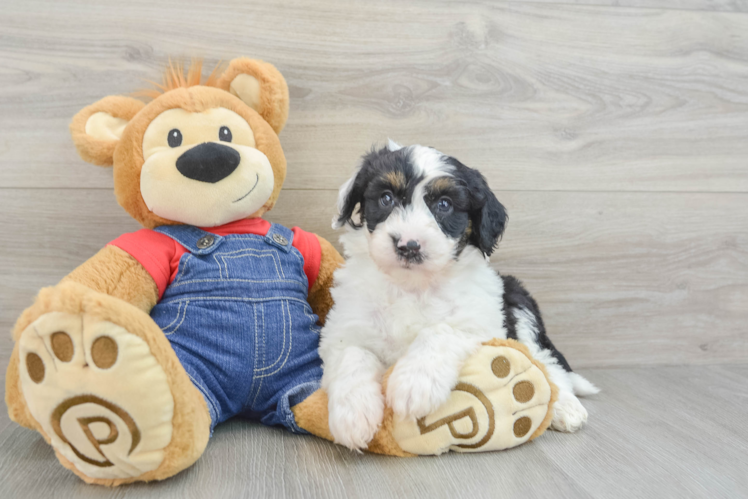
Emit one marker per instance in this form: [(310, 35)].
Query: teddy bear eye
[(175, 138), (225, 134)]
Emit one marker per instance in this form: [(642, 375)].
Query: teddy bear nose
[(208, 162)]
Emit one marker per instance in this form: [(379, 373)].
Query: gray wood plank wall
[(617, 137)]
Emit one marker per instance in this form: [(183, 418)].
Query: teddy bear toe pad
[(501, 400), (98, 393)]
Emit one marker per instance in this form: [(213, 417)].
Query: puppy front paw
[(415, 391), (355, 418), (568, 413)]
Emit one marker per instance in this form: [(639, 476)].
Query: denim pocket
[(250, 264), (171, 315)]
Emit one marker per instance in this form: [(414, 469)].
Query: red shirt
[(160, 254)]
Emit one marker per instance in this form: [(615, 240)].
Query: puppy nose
[(208, 162), (412, 246)]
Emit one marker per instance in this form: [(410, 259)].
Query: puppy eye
[(174, 138), (444, 205), (225, 134), (386, 200)]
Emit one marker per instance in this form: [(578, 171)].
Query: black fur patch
[(516, 297), (381, 171), (455, 222), (488, 217)]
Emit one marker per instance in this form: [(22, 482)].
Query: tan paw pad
[(98, 393), (500, 401)]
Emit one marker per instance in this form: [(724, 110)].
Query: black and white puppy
[(417, 289)]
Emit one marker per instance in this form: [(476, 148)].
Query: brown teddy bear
[(211, 312)]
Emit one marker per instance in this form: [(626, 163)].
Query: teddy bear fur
[(115, 287)]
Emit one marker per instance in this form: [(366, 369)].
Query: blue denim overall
[(238, 318)]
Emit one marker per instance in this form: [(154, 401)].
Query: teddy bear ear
[(97, 128), (261, 86)]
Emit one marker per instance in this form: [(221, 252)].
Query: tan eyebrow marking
[(442, 183), (396, 179)]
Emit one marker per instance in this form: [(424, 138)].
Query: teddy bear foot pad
[(503, 399), (98, 393)]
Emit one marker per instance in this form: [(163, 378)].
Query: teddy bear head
[(202, 154)]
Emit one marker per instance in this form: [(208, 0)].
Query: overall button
[(279, 239), (205, 242)]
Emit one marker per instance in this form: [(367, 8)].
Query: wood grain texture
[(538, 96), (621, 278), (613, 130), (707, 5), (646, 438)]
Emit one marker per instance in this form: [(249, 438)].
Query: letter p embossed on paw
[(73, 422), (466, 413), (499, 402)]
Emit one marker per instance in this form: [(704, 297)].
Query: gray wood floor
[(647, 438), (615, 131)]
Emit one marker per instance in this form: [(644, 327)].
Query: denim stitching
[(258, 254), (184, 315), (290, 345), (264, 338), (300, 259), (254, 381), (259, 387), (220, 271), (273, 257), (183, 268), (272, 253), (238, 299), (179, 309), (285, 335), (295, 252), (283, 273), (246, 236), (242, 280), (250, 251), (313, 323), (246, 250)]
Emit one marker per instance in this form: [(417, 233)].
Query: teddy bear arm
[(114, 272), (319, 296)]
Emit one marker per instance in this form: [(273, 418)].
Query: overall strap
[(279, 237), (194, 239)]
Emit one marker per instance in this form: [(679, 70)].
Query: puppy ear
[(260, 86), (393, 146), (351, 193), (97, 128), (488, 216)]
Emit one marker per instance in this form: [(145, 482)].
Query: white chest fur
[(384, 314)]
